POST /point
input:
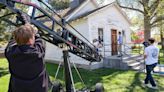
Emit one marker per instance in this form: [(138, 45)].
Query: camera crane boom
[(47, 21)]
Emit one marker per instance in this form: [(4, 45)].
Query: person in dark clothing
[(25, 54)]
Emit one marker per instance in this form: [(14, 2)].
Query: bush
[(136, 47), (133, 47)]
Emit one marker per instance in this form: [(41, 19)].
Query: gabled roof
[(93, 11), (90, 12), (73, 9), (69, 17), (69, 10)]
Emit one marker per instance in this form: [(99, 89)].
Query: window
[(100, 35)]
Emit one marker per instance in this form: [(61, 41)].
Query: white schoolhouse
[(94, 22)]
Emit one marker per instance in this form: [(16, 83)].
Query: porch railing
[(127, 49)]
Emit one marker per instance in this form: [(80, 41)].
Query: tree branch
[(141, 3), (153, 15), (157, 24), (154, 6), (159, 18), (131, 8), (145, 1)]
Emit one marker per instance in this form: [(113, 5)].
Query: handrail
[(126, 47)]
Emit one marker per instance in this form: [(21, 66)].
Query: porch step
[(134, 62), (137, 65), (136, 68)]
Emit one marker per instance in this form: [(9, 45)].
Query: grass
[(113, 80), (161, 60), (4, 75)]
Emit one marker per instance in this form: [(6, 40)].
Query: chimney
[(75, 3)]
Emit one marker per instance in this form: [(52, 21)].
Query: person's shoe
[(144, 85), (152, 87)]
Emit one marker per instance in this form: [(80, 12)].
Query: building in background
[(94, 22)]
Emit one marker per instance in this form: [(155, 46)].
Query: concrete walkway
[(159, 69)]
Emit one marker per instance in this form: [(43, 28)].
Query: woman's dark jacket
[(27, 67)]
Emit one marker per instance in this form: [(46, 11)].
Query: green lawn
[(113, 80), (161, 59)]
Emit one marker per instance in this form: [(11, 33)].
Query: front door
[(114, 41)]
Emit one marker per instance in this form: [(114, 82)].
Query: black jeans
[(149, 77)]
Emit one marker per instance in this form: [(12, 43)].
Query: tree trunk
[(162, 38), (162, 42), (147, 28), (162, 35)]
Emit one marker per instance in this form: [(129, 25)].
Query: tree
[(149, 9), (1, 31), (4, 26), (60, 4), (137, 37), (161, 29)]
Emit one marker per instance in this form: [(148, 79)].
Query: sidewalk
[(159, 69)]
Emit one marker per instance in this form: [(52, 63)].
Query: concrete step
[(134, 58), (133, 61), (125, 62), (131, 57), (134, 64), (138, 67)]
